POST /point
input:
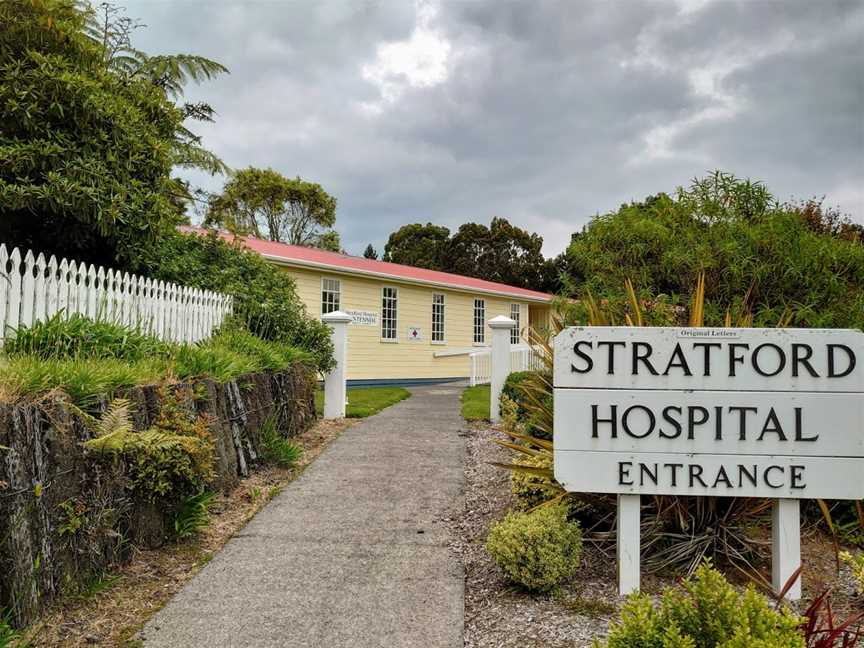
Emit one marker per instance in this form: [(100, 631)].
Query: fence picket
[(28, 290), (63, 288), (4, 289), (34, 289)]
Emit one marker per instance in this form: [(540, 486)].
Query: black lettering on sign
[(757, 365), (596, 420), (624, 472), (696, 474), (797, 477), (799, 425), (772, 424), (801, 354), (645, 470), (742, 420), (678, 361), (610, 365), (625, 421), (832, 362), (674, 470), (767, 479), (722, 476), (676, 423), (734, 358), (706, 350), (751, 477), (589, 361), (641, 355), (692, 421)]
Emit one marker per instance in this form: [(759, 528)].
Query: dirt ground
[(115, 607), (500, 615)]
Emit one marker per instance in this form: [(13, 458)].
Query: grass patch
[(366, 401), (475, 403)]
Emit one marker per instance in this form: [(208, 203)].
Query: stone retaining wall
[(65, 517)]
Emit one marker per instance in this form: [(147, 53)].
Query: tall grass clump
[(88, 359), (76, 336)]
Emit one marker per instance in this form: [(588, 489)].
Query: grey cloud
[(545, 109)]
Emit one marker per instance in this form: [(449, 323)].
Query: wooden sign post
[(772, 413)]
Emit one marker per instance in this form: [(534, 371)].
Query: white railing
[(33, 289), (522, 358)]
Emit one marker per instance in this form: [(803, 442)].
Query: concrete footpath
[(353, 553)]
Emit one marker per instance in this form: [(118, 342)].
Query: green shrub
[(783, 256), (529, 489), (276, 448), (706, 612), (537, 550), (856, 564), (170, 460), (265, 297), (520, 388), (193, 514)]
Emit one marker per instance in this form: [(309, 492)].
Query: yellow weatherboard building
[(409, 325)]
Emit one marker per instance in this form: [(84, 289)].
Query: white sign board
[(776, 413), (414, 334), (363, 318)]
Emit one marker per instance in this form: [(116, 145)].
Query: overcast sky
[(546, 113)]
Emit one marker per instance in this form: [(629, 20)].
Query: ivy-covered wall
[(66, 515)]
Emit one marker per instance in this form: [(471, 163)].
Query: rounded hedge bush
[(536, 550)]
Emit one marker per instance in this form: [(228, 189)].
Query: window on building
[(514, 315), (389, 307), (479, 321), (437, 317), (330, 295)]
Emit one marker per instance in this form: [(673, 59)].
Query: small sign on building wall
[(414, 334), (363, 318)]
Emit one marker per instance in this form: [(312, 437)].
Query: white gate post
[(335, 391), (628, 543), (786, 545), (500, 359)]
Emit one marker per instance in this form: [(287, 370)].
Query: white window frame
[(479, 322), (325, 291), (516, 316), (439, 307), (395, 318)]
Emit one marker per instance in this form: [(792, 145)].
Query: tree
[(421, 246), (795, 259), (265, 298), (370, 252), (86, 146), (266, 204), (500, 252)]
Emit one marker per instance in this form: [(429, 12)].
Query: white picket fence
[(522, 358), (33, 289)]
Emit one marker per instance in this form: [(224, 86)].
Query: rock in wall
[(65, 517)]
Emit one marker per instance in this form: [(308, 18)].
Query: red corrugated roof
[(309, 256)]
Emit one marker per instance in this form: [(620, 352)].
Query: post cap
[(336, 317), (502, 322)]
